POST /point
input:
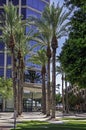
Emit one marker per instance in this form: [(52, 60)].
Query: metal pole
[(5, 55), (15, 119), (5, 61), (7, 1), (19, 7)]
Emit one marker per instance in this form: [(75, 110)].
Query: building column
[(19, 7)]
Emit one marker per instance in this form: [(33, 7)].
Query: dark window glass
[(15, 2), (1, 11), (0, 32), (8, 60), (23, 2), (1, 59), (23, 12), (2, 2), (1, 46), (9, 73), (1, 72)]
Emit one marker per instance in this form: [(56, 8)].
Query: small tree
[(31, 75), (6, 89)]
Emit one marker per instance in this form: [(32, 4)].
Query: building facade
[(26, 8)]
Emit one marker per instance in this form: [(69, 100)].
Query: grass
[(70, 124)]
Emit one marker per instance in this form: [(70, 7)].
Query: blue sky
[(56, 1)]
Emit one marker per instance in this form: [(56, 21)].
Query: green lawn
[(71, 124)]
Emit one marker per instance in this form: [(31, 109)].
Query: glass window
[(37, 4), (1, 46), (1, 72), (0, 32), (9, 73), (8, 60), (47, 0), (41, 5), (1, 59), (23, 12), (1, 11), (29, 2), (32, 13), (15, 2), (2, 2), (23, 2)]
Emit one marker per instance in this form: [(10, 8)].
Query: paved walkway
[(7, 121)]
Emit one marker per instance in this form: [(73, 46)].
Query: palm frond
[(40, 58)]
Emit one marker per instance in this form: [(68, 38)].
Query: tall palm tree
[(19, 38), (41, 59), (43, 39), (56, 18), (22, 48), (11, 19)]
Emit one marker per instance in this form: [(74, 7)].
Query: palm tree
[(13, 34), (11, 19), (43, 39), (19, 38), (32, 75), (6, 89), (55, 17), (41, 59), (22, 48)]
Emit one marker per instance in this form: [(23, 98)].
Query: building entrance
[(27, 105), (30, 105)]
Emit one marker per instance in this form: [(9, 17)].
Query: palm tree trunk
[(5, 72), (63, 102), (48, 89), (66, 88), (22, 81), (14, 83), (4, 101), (53, 84), (43, 95), (54, 45), (19, 93), (22, 77), (43, 90)]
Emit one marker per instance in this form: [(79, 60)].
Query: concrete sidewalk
[(7, 119)]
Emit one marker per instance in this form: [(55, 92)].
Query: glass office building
[(26, 8)]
